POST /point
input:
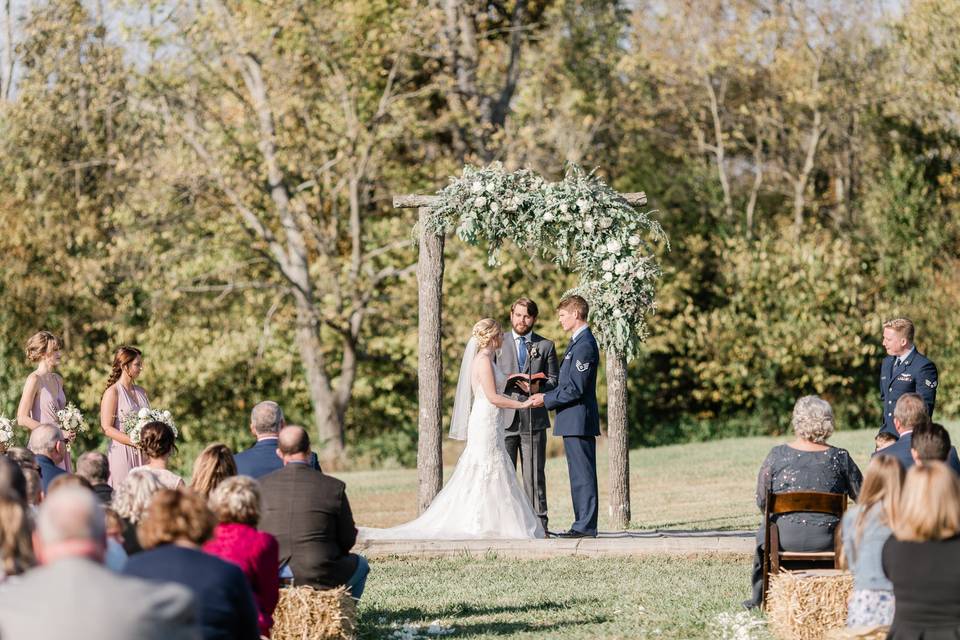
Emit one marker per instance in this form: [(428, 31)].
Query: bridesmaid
[(120, 398), (43, 393)]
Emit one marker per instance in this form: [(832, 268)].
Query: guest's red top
[(258, 554)]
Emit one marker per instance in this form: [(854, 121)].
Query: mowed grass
[(698, 486), (569, 598)]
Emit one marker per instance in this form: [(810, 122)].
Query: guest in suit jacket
[(921, 556), (46, 443), (174, 527), (524, 351), (904, 370), (95, 467), (266, 421), (908, 414), (578, 417), (72, 587), (309, 515), (930, 442)]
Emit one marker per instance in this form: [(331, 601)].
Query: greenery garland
[(579, 223)]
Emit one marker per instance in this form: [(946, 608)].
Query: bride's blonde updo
[(486, 332)]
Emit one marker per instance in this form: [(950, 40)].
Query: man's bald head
[(293, 444)]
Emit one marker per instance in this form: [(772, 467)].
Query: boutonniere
[(534, 352)]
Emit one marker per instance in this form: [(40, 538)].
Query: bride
[(483, 498)]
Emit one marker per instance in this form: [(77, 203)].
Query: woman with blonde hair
[(922, 556), (43, 394), (214, 465), (865, 528), (131, 500), (120, 398), (483, 498)]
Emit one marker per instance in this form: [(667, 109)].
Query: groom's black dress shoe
[(573, 533)]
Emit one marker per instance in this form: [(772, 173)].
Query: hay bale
[(805, 605), (305, 613)]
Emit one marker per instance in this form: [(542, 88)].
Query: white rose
[(563, 207), (634, 241), (584, 205), (588, 226), (608, 277), (617, 313), (143, 413), (607, 264), (566, 217), (477, 187), (606, 222), (480, 202), (494, 207), (548, 217), (622, 268), (613, 246), (166, 415)]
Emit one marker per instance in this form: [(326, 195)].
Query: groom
[(578, 418), (524, 351)]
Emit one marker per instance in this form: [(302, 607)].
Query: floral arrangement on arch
[(579, 223), (134, 422)]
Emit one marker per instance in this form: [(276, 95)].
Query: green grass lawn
[(570, 598)]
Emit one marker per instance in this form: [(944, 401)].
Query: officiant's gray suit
[(526, 429)]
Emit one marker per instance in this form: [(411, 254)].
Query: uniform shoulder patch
[(931, 383), (582, 366)]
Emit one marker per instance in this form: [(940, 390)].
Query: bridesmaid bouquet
[(133, 422), (6, 432), (71, 420)]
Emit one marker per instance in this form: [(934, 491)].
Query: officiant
[(527, 353)]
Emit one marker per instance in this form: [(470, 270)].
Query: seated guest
[(266, 421), (157, 444), (174, 527), (34, 487), (214, 465), (236, 503), (46, 443), (23, 457), (16, 548), (131, 501), (309, 514), (865, 529), (12, 481), (921, 557), (909, 413), (95, 467), (806, 464), (72, 595), (930, 442), (115, 556), (883, 440)]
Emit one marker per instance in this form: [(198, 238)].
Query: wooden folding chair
[(798, 501)]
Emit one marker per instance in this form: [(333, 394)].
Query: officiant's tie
[(522, 353)]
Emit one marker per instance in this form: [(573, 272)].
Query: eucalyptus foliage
[(580, 223)]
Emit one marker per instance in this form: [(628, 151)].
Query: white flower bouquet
[(71, 420), (133, 422), (6, 432)]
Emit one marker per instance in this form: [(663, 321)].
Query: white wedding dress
[(483, 498)]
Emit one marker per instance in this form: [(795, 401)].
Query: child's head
[(884, 440)]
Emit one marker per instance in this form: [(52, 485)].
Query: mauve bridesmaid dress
[(44, 411), (123, 458)]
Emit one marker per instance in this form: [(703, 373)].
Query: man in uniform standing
[(904, 370)]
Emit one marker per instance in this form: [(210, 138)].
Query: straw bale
[(859, 633), (805, 605), (305, 613)]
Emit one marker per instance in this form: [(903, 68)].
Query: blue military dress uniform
[(578, 422), (915, 374)]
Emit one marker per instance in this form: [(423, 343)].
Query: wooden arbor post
[(430, 377)]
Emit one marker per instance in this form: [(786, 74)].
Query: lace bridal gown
[(483, 498)]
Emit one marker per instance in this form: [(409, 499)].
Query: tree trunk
[(429, 368), (618, 441)]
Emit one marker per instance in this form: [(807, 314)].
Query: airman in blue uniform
[(904, 370)]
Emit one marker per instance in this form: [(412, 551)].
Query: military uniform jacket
[(575, 398), (916, 374), (543, 359)]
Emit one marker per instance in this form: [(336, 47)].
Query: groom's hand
[(536, 400)]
